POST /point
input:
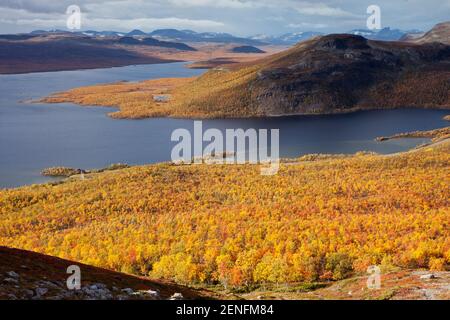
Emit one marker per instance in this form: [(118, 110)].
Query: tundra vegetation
[(69, 172), (435, 135), (324, 219)]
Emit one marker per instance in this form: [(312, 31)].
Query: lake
[(38, 136)]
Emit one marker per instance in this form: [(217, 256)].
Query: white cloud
[(125, 25), (152, 23), (303, 25), (22, 17), (320, 9), (234, 4), (242, 17)]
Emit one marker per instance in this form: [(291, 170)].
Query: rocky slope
[(330, 74), (28, 275), (395, 285)]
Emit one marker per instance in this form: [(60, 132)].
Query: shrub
[(340, 265)]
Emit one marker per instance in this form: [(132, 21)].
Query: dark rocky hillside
[(155, 43), (247, 49), (342, 72), (28, 275), (330, 74), (55, 55)]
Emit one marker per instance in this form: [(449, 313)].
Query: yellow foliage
[(228, 224)]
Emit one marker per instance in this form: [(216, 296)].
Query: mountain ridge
[(330, 74), (192, 36)]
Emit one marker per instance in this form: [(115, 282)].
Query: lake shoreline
[(435, 135), (78, 68), (150, 108), (86, 174), (51, 135)]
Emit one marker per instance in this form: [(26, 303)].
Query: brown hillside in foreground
[(34, 271), (325, 75)]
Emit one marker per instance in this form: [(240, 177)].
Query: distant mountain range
[(192, 36), (171, 35), (287, 39), (385, 34)]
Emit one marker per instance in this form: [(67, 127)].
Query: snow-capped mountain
[(386, 34), (287, 38), (192, 36)]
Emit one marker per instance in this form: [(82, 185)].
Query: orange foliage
[(204, 224)]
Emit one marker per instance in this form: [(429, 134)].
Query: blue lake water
[(38, 136)]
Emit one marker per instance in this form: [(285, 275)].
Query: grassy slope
[(315, 219), (395, 285), (135, 100), (439, 33), (436, 134)]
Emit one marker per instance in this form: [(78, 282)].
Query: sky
[(239, 17)]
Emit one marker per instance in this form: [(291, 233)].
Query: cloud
[(321, 9), (303, 25), (152, 23), (118, 24), (46, 6), (242, 17), (234, 4), (91, 19)]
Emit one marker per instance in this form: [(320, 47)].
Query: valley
[(58, 51)]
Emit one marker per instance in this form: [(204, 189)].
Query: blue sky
[(240, 17)]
